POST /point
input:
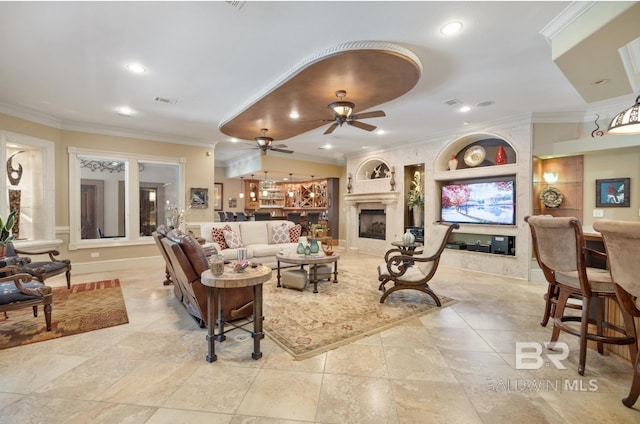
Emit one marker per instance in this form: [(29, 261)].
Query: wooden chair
[(622, 241), (551, 298), (40, 270), (559, 246), (17, 291), (414, 270)]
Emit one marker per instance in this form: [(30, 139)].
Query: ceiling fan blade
[(374, 114), (281, 150), (362, 125), (331, 128), (279, 146)]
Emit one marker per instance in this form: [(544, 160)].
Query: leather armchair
[(17, 291), (188, 260)]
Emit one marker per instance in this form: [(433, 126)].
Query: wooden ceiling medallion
[(371, 72)]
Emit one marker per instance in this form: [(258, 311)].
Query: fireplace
[(372, 224)]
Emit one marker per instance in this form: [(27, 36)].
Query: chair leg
[(35, 311), (551, 294), (47, 316), (584, 329), (68, 275), (563, 297)]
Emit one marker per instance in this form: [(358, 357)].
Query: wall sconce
[(550, 177), (241, 188), (627, 121)]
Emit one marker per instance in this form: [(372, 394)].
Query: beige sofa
[(257, 238)]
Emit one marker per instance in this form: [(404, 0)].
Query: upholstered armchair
[(622, 242), (40, 270), (414, 270), (559, 246), (188, 260), (17, 291)]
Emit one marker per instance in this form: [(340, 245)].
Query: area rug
[(84, 307), (306, 324)]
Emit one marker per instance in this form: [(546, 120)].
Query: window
[(120, 198)]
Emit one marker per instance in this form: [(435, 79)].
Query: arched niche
[(489, 142), (373, 169)]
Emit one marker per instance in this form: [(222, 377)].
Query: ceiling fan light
[(343, 109), (626, 122), (264, 141)]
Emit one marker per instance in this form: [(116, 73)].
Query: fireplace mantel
[(385, 197)]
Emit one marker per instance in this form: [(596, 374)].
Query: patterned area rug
[(306, 324), (84, 307)]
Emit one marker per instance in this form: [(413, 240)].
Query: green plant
[(6, 235), (416, 194)]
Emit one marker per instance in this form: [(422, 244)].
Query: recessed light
[(294, 115), (233, 140), (136, 68), (327, 146), (380, 132), (125, 111), (451, 28), (464, 109)]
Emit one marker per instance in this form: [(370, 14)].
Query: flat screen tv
[(479, 201)]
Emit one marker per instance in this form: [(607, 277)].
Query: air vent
[(487, 103), (236, 4), (453, 102), (165, 100)]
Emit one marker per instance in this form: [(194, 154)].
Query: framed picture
[(199, 198), (217, 196), (613, 192), (233, 202)]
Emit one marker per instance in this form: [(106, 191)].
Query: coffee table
[(250, 277), (292, 257)]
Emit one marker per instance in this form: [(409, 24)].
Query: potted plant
[(6, 235), (416, 199)]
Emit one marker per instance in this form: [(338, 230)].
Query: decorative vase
[(453, 163), (501, 156), (300, 249), (417, 216), (314, 246), (307, 250), (408, 237)]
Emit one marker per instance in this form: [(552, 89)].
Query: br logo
[(529, 355)]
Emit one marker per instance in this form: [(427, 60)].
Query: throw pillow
[(294, 233), (217, 234), (280, 235), (232, 239)]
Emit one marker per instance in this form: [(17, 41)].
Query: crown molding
[(565, 18), (30, 115)]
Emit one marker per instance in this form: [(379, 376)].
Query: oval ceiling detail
[(371, 72)]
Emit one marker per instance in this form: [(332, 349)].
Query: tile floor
[(454, 365)]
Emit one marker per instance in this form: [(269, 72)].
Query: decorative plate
[(551, 197), (474, 156)]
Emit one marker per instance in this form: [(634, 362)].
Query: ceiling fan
[(266, 143), (343, 113)]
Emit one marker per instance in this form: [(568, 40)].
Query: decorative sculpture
[(597, 132), (15, 175)]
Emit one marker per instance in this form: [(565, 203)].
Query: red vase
[(501, 156)]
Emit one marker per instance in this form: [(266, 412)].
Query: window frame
[(132, 196)]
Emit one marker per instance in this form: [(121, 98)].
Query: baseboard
[(536, 275), (116, 264)]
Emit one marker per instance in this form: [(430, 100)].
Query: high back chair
[(240, 216), (622, 241), (407, 270), (230, 216), (262, 216), (559, 246), (222, 216), (293, 217)]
